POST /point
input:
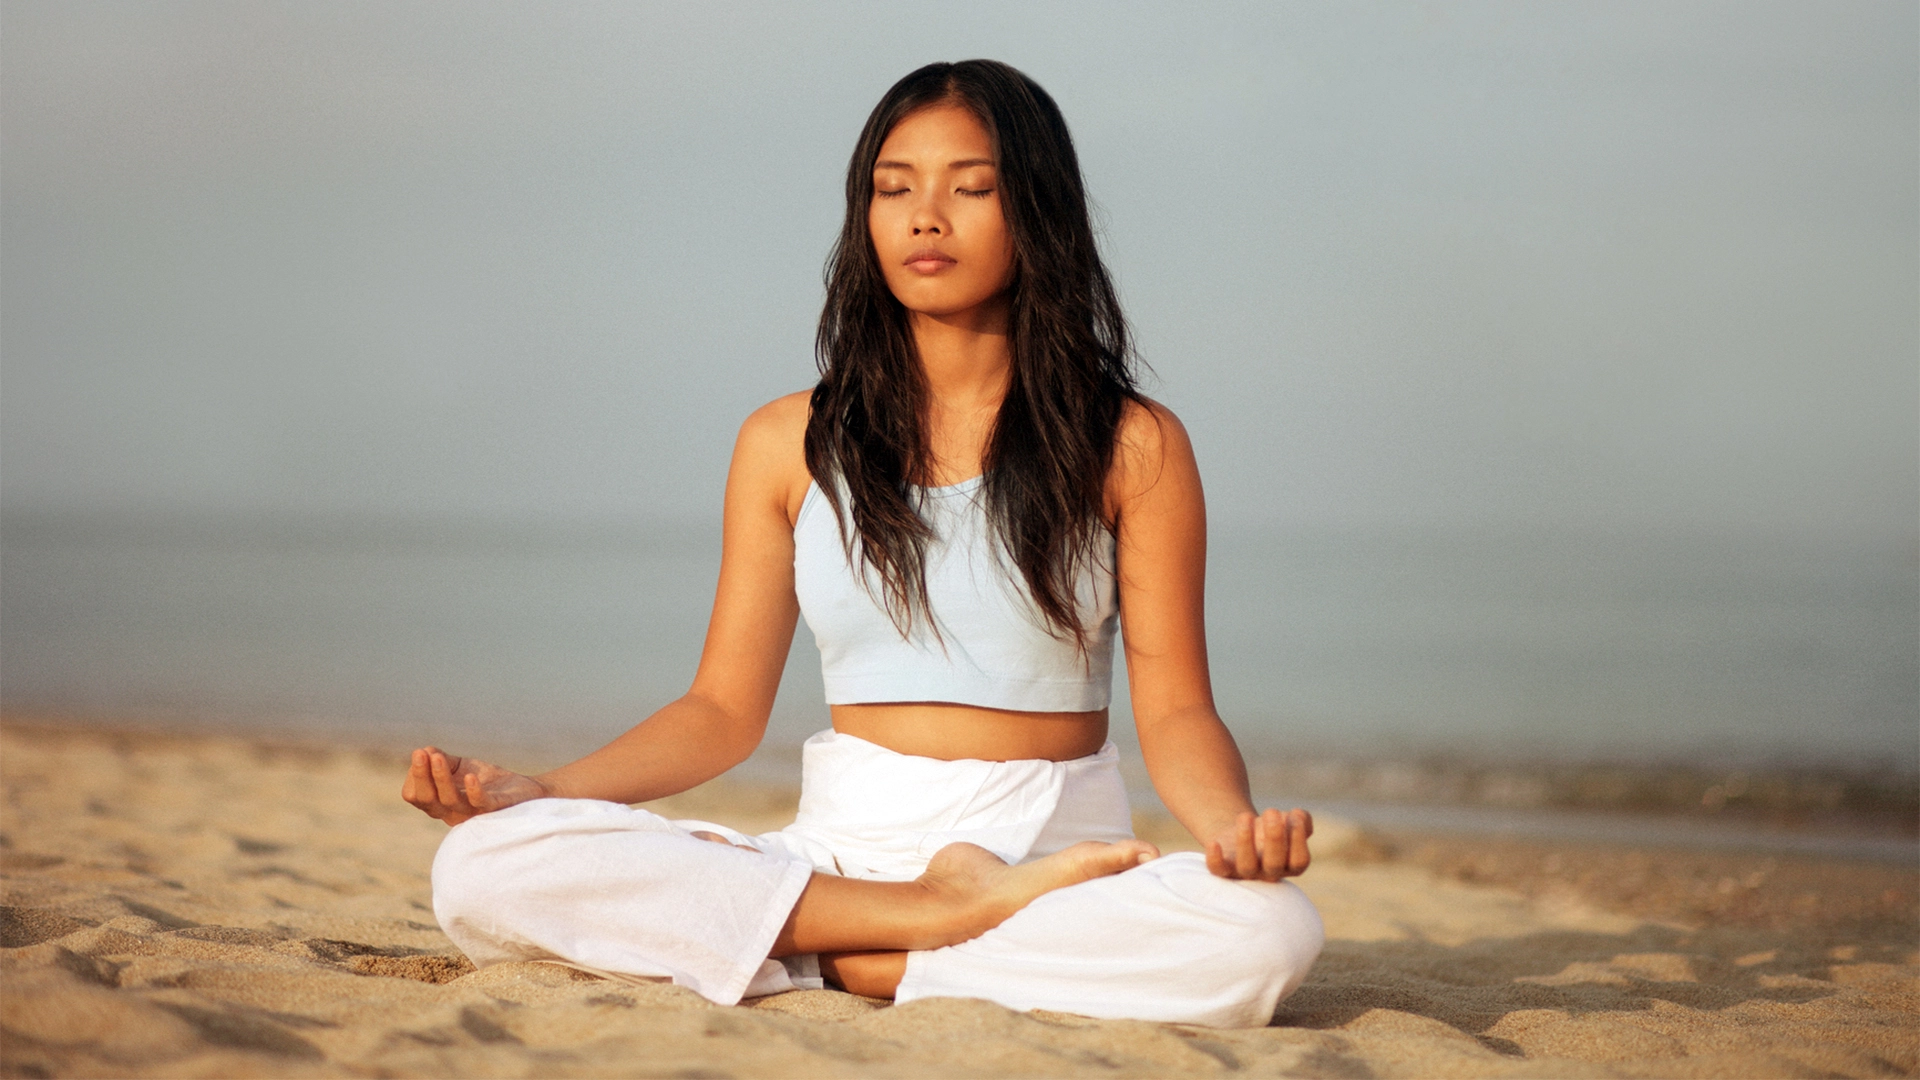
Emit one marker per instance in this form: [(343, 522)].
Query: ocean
[(1730, 651)]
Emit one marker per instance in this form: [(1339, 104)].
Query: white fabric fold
[(626, 893), (609, 888), (881, 815)]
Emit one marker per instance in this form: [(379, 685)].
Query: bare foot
[(985, 892)]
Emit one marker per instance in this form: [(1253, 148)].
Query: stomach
[(951, 732)]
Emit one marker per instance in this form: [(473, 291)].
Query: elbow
[(1178, 722), (732, 729)]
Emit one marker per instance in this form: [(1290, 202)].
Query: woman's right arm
[(720, 720)]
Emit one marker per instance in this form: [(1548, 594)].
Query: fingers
[(1235, 854), (1217, 863), (470, 787), (1139, 852), (1298, 857), (1223, 855), (1267, 847), (416, 770), (1288, 855), (454, 789), (449, 792), (418, 788), (1275, 836), (431, 786), (1248, 848)]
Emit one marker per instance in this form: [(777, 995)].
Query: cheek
[(887, 250), (876, 229), (1004, 242)]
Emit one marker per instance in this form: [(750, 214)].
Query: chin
[(941, 303)]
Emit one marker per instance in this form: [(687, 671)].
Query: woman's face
[(936, 222)]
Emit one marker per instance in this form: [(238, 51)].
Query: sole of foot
[(989, 891)]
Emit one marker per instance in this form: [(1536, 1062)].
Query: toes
[(1101, 859)]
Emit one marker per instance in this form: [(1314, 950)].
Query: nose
[(927, 219)]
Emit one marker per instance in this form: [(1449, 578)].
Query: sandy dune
[(207, 906)]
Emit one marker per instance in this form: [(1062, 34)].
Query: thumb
[(476, 794)]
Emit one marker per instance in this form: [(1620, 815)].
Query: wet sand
[(199, 905)]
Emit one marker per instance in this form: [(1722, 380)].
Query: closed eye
[(980, 194), (895, 193)]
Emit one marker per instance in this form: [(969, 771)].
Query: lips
[(929, 261)]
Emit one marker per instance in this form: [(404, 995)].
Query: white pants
[(629, 894)]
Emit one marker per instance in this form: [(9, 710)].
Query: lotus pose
[(968, 506)]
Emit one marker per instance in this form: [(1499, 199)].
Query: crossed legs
[(863, 929), (1091, 929)]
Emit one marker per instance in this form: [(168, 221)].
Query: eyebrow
[(963, 163)]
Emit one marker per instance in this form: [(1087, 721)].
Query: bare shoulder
[(781, 422), (770, 455), (1151, 447)]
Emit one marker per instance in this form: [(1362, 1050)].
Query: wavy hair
[(1052, 444)]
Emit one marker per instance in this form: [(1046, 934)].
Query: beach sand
[(204, 905)]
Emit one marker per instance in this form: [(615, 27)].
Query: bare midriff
[(952, 732)]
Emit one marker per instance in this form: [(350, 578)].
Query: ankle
[(950, 914), (958, 908)]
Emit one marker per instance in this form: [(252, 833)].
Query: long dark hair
[(1052, 445)]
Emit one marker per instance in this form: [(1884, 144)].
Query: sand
[(197, 905)]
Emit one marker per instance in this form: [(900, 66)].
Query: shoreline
[(1870, 841), (1488, 850), (1461, 794)]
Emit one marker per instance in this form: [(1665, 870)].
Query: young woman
[(965, 509)]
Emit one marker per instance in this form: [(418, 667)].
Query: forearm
[(1196, 770), (690, 741)]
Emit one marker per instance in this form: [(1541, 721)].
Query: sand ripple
[(196, 906)]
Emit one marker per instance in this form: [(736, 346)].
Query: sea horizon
[(1710, 650)]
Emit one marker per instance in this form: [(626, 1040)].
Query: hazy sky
[(1535, 263)]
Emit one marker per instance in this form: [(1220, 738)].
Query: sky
[(1641, 266)]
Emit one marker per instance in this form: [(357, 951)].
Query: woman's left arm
[(1161, 515)]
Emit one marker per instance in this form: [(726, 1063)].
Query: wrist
[(1223, 823)]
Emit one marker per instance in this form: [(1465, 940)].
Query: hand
[(454, 789), (1265, 848)]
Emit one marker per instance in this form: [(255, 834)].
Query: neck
[(965, 356), (968, 368)]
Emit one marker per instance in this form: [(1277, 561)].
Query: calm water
[(1560, 646)]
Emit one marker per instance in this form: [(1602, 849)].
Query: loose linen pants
[(631, 895)]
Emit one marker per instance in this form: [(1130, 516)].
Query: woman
[(964, 508)]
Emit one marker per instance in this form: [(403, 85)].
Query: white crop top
[(993, 649)]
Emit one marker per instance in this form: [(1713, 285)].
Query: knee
[(1288, 935), (471, 874), (1265, 922), (494, 872), (1265, 936), (1274, 942), (1265, 927)]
